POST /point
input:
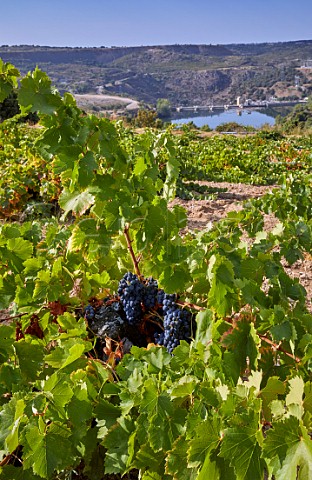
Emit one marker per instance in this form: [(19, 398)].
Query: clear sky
[(160, 22)]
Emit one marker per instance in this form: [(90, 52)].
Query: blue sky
[(160, 22)]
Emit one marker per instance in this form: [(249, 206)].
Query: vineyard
[(133, 345)]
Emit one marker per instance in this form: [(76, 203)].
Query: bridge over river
[(212, 107)]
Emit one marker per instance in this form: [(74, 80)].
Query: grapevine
[(130, 346)]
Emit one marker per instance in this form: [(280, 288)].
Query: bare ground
[(88, 100)]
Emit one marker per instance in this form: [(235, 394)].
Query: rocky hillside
[(185, 74)]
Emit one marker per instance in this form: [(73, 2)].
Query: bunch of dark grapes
[(176, 322), (141, 312), (150, 293), (89, 313), (106, 321), (176, 327), (131, 292)]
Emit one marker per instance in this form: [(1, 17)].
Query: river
[(253, 118)]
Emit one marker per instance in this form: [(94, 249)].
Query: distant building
[(307, 64)]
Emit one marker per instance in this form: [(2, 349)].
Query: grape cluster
[(176, 322), (150, 293), (89, 313), (131, 292), (140, 312), (106, 321)]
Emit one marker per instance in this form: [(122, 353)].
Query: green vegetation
[(299, 120), (235, 401), (234, 127), (146, 118), (163, 108)]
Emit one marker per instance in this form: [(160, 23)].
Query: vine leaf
[(146, 456), (47, 451), (294, 400), (36, 94), (30, 358), (242, 342), (77, 202), (151, 476), (207, 439), (240, 447), (87, 168), (106, 416), (10, 419), (58, 390), (289, 448), (221, 277), (176, 462), (9, 472), (270, 392), (68, 352), (204, 326), (118, 442), (307, 403), (8, 79)]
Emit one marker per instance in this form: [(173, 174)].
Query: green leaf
[(22, 248), (117, 443), (32, 266), (147, 458), (140, 166), (184, 387), (288, 447), (176, 462), (294, 399), (30, 358), (68, 352), (151, 476), (8, 79), (284, 331), (166, 425), (157, 359), (240, 447), (221, 277), (307, 403), (165, 422), (48, 451), (296, 391), (11, 416), (210, 469), (207, 439), (87, 169), (173, 279), (77, 202), (106, 416), (57, 390), (204, 321), (47, 287), (36, 94), (242, 342), (270, 392), (9, 472)]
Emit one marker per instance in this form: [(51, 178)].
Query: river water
[(253, 118)]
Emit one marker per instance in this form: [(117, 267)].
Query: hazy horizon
[(152, 45)]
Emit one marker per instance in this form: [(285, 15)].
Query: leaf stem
[(193, 306), (279, 348), (11, 318)]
